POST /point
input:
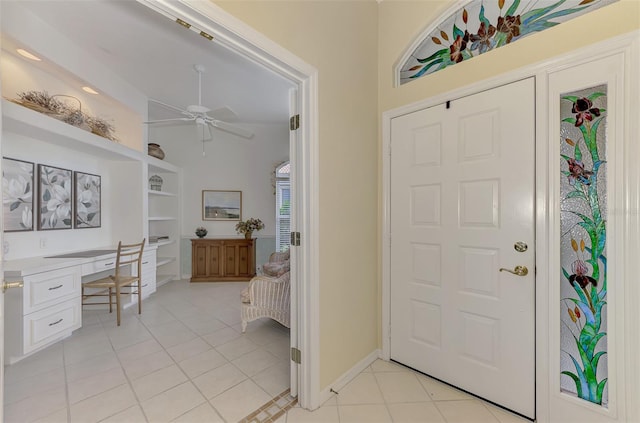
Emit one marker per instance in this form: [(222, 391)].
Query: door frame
[(243, 39), (629, 46)]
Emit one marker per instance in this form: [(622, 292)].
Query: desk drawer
[(44, 326), (45, 289), (99, 266)]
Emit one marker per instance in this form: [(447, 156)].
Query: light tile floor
[(185, 360)]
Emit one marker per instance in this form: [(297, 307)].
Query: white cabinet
[(98, 266), (148, 274), (163, 229), (45, 310)]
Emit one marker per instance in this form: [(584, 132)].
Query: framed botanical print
[(221, 205), (17, 187), (88, 200), (54, 198)]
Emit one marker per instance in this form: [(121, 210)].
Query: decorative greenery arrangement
[(101, 127), (201, 231), (42, 102), (583, 205), (249, 225)]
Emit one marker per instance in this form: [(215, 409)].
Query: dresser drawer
[(45, 289), (99, 266), (44, 326)]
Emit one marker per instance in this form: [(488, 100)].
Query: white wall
[(340, 40), (231, 163), (121, 207), (64, 69)]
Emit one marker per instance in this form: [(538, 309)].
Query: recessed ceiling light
[(25, 53), (89, 90)]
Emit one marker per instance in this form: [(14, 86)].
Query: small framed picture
[(221, 205), (17, 181), (55, 202), (88, 200)]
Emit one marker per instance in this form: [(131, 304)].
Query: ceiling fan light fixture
[(196, 108)]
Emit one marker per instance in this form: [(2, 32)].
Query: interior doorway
[(303, 76)]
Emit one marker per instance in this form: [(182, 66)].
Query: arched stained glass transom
[(474, 27)]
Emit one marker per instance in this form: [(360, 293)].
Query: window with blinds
[(283, 207)]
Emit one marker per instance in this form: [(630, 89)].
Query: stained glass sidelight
[(583, 229)]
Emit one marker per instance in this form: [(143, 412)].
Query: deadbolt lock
[(520, 246)]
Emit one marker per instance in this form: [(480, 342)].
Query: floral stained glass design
[(583, 228), (483, 25)]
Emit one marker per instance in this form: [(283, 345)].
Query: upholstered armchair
[(268, 295)]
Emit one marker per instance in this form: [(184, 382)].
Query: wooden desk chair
[(127, 254)]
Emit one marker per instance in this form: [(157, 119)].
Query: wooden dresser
[(222, 260)]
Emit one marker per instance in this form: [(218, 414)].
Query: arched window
[(473, 27), (283, 207)]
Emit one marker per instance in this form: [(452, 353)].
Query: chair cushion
[(276, 268), (244, 296), (279, 256)]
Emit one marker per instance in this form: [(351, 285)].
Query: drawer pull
[(56, 322), (145, 262), (145, 285), (55, 287), (109, 264)]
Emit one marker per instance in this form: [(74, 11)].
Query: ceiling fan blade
[(223, 113), (176, 120), (232, 129), (170, 107)]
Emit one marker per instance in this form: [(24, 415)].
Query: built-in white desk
[(48, 307)]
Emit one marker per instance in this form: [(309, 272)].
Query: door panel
[(1, 296), (462, 190)]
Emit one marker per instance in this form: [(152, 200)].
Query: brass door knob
[(518, 270), (7, 285)]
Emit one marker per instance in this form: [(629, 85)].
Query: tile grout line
[(189, 379), (66, 384), (129, 382), (104, 331)]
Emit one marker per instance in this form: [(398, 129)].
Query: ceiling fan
[(199, 114)]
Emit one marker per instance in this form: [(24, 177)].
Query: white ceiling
[(157, 56)]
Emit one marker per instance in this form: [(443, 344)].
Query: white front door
[(462, 208)]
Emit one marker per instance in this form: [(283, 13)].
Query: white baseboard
[(349, 375)]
